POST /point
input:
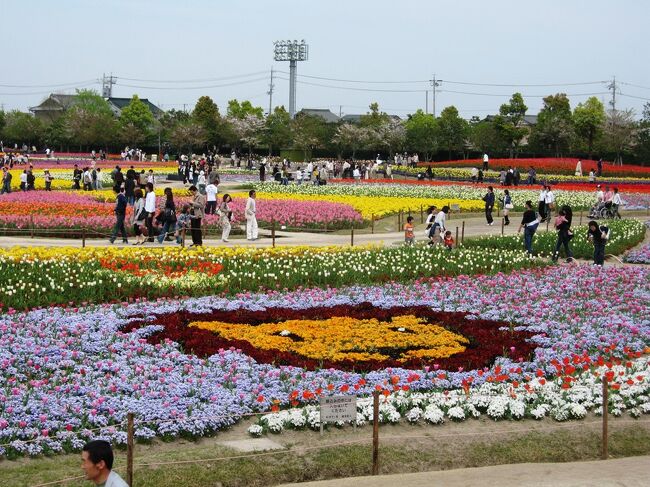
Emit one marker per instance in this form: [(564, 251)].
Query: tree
[(187, 134), (277, 130), (351, 138), (421, 134), (619, 132), (206, 114), (508, 123), (392, 135), (3, 121), (643, 136), (483, 136), (374, 119), (554, 126), (452, 130), (247, 130), (57, 133), (588, 120), (309, 133), (23, 128), (243, 109), (136, 122), (90, 120)]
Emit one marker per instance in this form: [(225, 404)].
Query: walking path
[(622, 472)]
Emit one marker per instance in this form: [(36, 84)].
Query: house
[(322, 113), (356, 118), (54, 105)]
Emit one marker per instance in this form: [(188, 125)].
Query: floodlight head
[(290, 50)]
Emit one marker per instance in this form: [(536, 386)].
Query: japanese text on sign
[(338, 408)]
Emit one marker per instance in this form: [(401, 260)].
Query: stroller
[(601, 211)]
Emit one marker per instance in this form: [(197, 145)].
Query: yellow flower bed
[(379, 206), (345, 338)]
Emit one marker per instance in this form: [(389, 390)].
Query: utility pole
[(426, 102), (612, 86), (270, 93), (292, 51), (435, 83), (340, 111), (107, 85)]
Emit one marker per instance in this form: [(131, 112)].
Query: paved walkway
[(623, 472)]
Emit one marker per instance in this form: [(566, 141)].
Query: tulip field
[(194, 340)]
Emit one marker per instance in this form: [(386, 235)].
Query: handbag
[(509, 206)]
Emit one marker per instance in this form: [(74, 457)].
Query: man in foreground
[(97, 462)]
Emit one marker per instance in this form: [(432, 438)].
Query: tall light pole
[(292, 51)]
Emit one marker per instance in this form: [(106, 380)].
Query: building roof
[(323, 113), (356, 117), (60, 102), (120, 103)]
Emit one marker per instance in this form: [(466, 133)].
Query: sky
[(157, 49)]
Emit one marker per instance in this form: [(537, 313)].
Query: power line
[(522, 85), (222, 85), (632, 96), (357, 80), (524, 95), (204, 80), (86, 82), (350, 88), (635, 86), (45, 92)]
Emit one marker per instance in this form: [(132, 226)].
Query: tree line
[(586, 130)]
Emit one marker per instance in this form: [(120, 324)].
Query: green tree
[(136, 122), (483, 136), (508, 123), (57, 134), (452, 130), (310, 133), (374, 119), (421, 134), (350, 138), (277, 130), (247, 130), (206, 114), (241, 110), (554, 127), (588, 121), (90, 120), (23, 128), (3, 121)]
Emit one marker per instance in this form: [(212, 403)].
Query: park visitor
[(448, 241), (507, 206), (120, 214), (48, 180), (226, 217), (616, 203), (6, 181), (168, 216), (439, 226), (129, 189), (529, 223), (409, 235), (489, 205), (549, 202), (486, 161), (139, 217), (150, 208), (97, 464), (183, 223), (211, 198), (197, 213), (598, 235), (251, 219), (564, 234)]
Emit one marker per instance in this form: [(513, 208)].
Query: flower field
[(72, 374), (548, 165), (43, 277)]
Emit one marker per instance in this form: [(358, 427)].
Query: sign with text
[(338, 408)]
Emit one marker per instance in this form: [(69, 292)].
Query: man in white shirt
[(549, 200), (211, 191), (298, 176), (616, 203), (486, 161), (308, 171), (541, 204), (251, 219), (97, 464), (150, 209)]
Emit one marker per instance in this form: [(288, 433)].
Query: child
[(448, 240), (409, 235), (182, 223), (598, 235)]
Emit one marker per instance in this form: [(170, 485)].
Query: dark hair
[(594, 223), (505, 191), (169, 194), (99, 450), (445, 209), (529, 204), (150, 186), (251, 192), (615, 190), (138, 193), (409, 219), (227, 196), (192, 188), (490, 188)]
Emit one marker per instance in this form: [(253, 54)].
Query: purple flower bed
[(66, 372)]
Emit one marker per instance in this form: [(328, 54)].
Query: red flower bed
[(557, 165), (487, 340)]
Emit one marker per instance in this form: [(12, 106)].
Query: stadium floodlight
[(292, 51)]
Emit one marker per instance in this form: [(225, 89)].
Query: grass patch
[(397, 456)]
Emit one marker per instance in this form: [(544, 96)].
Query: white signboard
[(338, 408)]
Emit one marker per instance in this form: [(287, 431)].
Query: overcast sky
[(74, 42)]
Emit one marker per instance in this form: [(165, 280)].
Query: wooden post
[(83, 237), (273, 233), (372, 224), (375, 433), (548, 222), (605, 454), (31, 225), (421, 214), (399, 227), (503, 225), (129, 449), (456, 237), (409, 211), (580, 217), (183, 237), (462, 235), (352, 237)]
